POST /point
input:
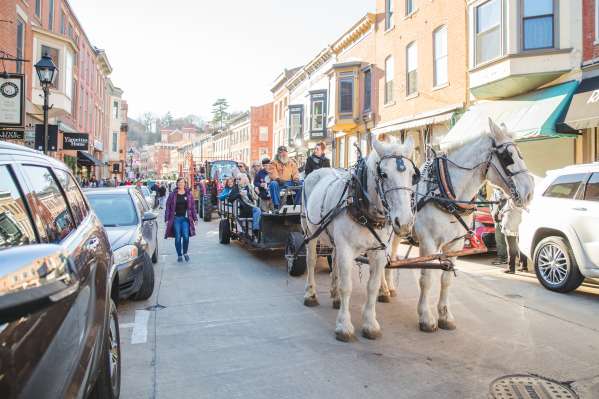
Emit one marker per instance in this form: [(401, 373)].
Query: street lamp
[(46, 69)]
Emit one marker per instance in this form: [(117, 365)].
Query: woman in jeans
[(180, 216)]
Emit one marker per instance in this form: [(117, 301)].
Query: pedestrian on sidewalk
[(500, 243), (180, 216), (510, 223), (161, 195)]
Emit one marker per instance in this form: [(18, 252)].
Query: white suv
[(561, 232)]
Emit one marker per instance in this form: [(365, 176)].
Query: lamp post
[(46, 69)]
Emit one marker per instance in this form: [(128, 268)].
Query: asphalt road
[(231, 324)]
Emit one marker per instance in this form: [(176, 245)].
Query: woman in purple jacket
[(180, 216)]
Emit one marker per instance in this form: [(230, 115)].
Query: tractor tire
[(296, 267), (224, 232)]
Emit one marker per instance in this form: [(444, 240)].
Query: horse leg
[(335, 284), (310, 298), (344, 330), (384, 293), (427, 322), (371, 328), (446, 319)]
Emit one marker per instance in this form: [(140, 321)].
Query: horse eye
[(384, 175)]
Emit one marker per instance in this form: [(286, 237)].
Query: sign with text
[(12, 134), (75, 141), (12, 100), (52, 137)]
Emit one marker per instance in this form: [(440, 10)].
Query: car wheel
[(155, 254), (296, 265), (556, 266), (147, 284), (224, 232), (207, 212), (108, 384)]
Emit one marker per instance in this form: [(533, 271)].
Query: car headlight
[(125, 254)]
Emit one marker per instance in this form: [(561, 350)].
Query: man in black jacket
[(317, 160)]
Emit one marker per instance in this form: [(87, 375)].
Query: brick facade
[(590, 49), (261, 120)]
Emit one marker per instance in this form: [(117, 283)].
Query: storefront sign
[(75, 141), (12, 100), (12, 134)]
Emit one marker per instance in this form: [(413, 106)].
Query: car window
[(15, 226), (52, 212), (592, 191), (78, 205), (565, 186), (114, 210)]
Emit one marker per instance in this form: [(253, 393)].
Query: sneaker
[(179, 259), (186, 257), (499, 261), (509, 271)]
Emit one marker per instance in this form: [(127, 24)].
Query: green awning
[(529, 116)]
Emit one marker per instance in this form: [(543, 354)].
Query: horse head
[(507, 168), (395, 176)]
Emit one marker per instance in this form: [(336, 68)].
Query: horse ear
[(378, 146), (408, 146), (496, 131)]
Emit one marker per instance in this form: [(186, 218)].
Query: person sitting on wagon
[(318, 159), (247, 201), (261, 181), (229, 185), (283, 172)]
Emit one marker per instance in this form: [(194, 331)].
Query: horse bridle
[(506, 159), (382, 176)]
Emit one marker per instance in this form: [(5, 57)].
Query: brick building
[(80, 92)]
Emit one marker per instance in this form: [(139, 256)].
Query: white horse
[(485, 158), (388, 179)]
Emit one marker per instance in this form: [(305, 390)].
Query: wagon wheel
[(207, 208), (296, 265), (224, 231)]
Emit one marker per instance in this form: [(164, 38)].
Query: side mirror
[(149, 216), (33, 277)]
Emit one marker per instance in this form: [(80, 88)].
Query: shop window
[(488, 31), (389, 74), (440, 54), (346, 94), (537, 24), (411, 69)]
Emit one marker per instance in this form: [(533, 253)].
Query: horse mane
[(459, 144)]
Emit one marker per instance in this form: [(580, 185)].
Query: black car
[(59, 331), (132, 229)]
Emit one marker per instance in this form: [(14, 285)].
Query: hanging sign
[(75, 141), (12, 100)]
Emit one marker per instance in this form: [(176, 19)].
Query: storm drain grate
[(155, 308), (529, 387)]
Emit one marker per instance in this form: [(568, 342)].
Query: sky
[(181, 55)]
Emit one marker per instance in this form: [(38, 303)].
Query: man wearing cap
[(283, 173)]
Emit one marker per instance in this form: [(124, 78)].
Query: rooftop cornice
[(357, 31)]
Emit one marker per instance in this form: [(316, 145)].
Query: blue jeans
[(275, 192), (256, 214), (181, 226)]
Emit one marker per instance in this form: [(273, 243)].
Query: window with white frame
[(409, 7), (389, 74), (263, 133), (537, 24), (440, 56), (411, 69), (388, 14), (317, 114), (488, 31)]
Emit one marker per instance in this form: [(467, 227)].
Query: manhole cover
[(155, 308), (529, 387)]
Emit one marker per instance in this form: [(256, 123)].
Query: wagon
[(279, 230)]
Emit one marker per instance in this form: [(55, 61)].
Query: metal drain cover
[(524, 386)]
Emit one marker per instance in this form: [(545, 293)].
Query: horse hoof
[(392, 293), (369, 334), (311, 302), (336, 303), (384, 298), (344, 336), (447, 325), (429, 328)]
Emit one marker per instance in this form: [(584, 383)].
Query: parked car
[(484, 229), (59, 329), (561, 231), (148, 195), (133, 233)]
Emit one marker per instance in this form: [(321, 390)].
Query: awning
[(529, 116), (433, 117), (86, 159), (583, 112)]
